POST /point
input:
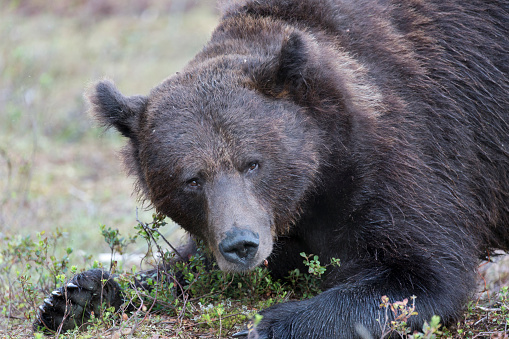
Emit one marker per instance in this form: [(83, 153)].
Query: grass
[(60, 178), (205, 303)]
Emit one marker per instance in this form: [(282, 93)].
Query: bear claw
[(71, 285), (48, 301), (241, 334), (57, 293)]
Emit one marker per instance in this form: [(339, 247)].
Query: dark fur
[(381, 130)]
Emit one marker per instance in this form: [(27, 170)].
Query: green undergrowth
[(194, 297)]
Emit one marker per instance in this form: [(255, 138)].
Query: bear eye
[(253, 166), (193, 183)]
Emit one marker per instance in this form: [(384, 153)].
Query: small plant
[(30, 266), (400, 312), (504, 300), (429, 331), (308, 284), (502, 315), (115, 242)]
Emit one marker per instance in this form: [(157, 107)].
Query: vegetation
[(204, 299), (194, 297), (60, 181)]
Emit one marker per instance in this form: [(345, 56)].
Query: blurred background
[(57, 169)]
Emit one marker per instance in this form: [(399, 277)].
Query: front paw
[(72, 304), (275, 322), (297, 319)]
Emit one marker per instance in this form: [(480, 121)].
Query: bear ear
[(112, 108), (287, 72)]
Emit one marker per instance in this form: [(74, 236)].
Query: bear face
[(217, 156), (232, 147)]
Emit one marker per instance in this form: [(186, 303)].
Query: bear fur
[(376, 132)]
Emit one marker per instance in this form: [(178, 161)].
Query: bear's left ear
[(112, 108), (300, 71), (286, 71)]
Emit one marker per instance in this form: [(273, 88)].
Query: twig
[(145, 226), (12, 317), (484, 334), (146, 314), (486, 309), (480, 321), (137, 311)]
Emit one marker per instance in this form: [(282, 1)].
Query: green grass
[(61, 179)]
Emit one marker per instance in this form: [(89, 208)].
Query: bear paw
[(72, 304)]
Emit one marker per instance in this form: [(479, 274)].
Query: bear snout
[(240, 246)]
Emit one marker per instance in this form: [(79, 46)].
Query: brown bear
[(372, 131)]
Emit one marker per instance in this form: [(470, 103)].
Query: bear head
[(227, 148)]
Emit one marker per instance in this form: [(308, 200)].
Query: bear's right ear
[(112, 108)]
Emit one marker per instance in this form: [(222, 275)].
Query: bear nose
[(239, 246)]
